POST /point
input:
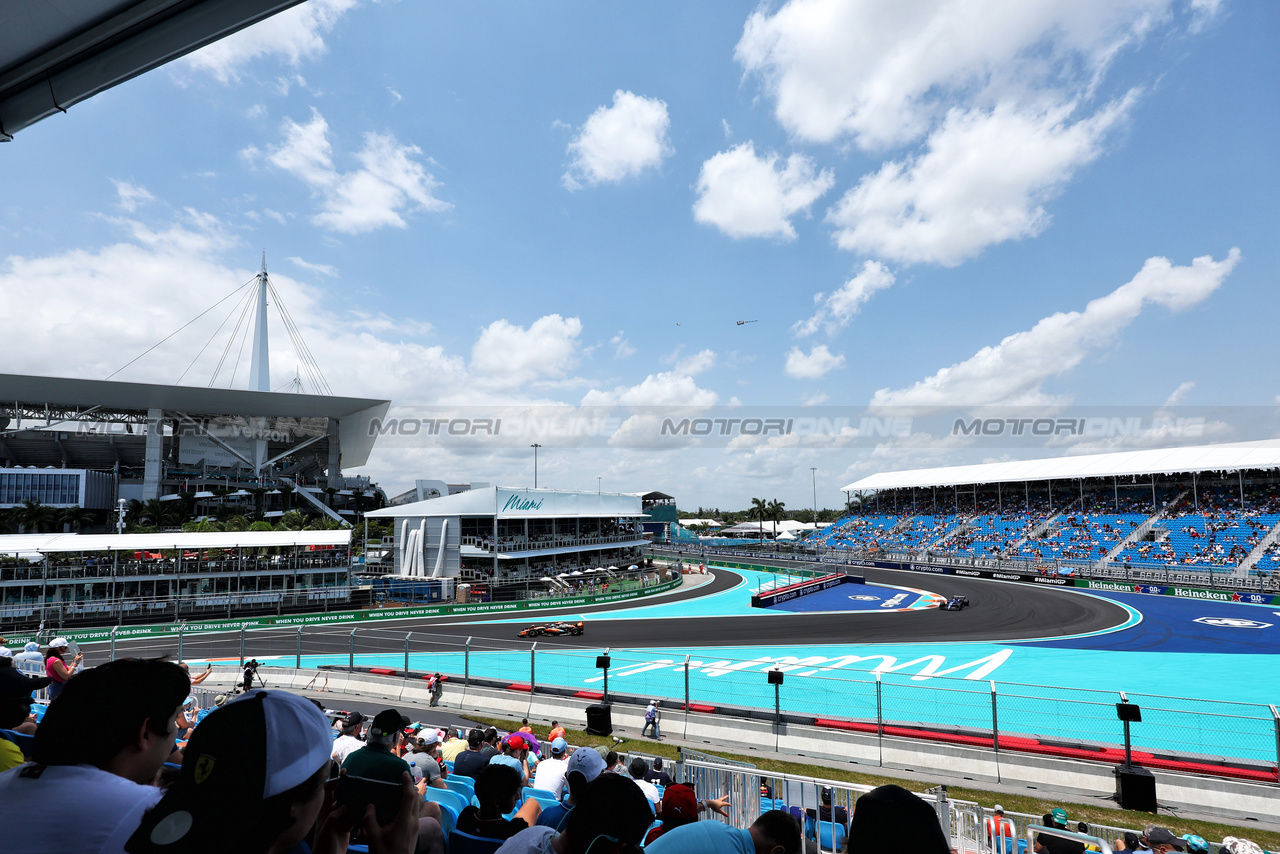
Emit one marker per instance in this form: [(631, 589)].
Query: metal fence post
[(351, 653), (533, 675), (298, 661), (466, 665), (1275, 716), (181, 626), (879, 708), (995, 721), (242, 645), (113, 643), (686, 686), (406, 654)]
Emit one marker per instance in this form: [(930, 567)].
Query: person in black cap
[(377, 759), (349, 740), (253, 780), (825, 811), (892, 819), (102, 782), (470, 762)]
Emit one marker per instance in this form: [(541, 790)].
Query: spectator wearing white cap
[(103, 782), (585, 764), (56, 667), (1000, 833), (549, 775), (424, 759), (253, 781)]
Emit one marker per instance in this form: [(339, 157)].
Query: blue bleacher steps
[(1252, 559), (1140, 531)]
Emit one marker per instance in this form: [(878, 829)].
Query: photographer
[(246, 679)]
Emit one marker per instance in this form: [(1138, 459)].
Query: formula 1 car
[(955, 603), (559, 629)]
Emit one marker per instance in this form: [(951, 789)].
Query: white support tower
[(260, 365)]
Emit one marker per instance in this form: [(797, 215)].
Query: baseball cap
[(559, 745), (388, 721), (997, 808), (1060, 817), (431, 737), (679, 805), (826, 794), (353, 719), (1161, 836), (1196, 843), (584, 764), (516, 741), (57, 642), (253, 748), (1131, 841), (475, 738), (31, 646), (1234, 845)]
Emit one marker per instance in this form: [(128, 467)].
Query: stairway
[(1140, 531), (1252, 558)]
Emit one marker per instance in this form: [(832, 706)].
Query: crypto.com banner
[(658, 427)]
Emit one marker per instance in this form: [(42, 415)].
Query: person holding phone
[(56, 667)]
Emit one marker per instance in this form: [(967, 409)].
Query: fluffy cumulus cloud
[(746, 195), (836, 310), (987, 109), (294, 35), (1013, 372), (815, 364), (619, 141), (508, 356), (882, 73), (388, 183), (981, 180)]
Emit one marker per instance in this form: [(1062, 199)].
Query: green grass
[(1030, 804)]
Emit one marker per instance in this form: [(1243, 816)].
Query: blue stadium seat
[(465, 843)]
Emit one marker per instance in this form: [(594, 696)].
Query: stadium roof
[(99, 399), (50, 543), (54, 54), (1242, 456)]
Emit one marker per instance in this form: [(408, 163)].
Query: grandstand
[(1214, 508)]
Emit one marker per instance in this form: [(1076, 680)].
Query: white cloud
[(813, 365), (1179, 393), (1014, 371), (396, 97), (294, 35), (728, 129), (981, 180), (619, 142), (837, 309), (508, 356), (1202, 12), (882, 73), (322, 269), (622, 347), (389, 182), (698, 363), (815, 399), (131, 195), (745, 195)]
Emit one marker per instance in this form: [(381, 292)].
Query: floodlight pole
[(535, 447), (814, 471)]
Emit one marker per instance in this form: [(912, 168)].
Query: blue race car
[(955, 603)]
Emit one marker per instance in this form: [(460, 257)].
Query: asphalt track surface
[(998, 612)]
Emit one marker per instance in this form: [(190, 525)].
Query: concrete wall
[(1229, 799)]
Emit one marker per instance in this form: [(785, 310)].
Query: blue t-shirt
[(554, 816), (509, 761), (702, 836)]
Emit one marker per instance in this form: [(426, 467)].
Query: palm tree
[(776, 511), (235, 523), (293, 520), (157, 513), (760, 509), (33, 517), (76, 517)]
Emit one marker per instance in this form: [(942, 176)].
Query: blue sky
[(574, 204)]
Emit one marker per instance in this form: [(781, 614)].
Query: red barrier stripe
[(700, 707), (589, 695), (382, 671), (520, 686)]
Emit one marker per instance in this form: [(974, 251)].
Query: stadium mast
[(260, 362)]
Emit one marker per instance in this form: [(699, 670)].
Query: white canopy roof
[(517, 503), (1241, 456), (49, 543)]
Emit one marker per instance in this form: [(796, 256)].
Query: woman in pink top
[(55, 666)]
